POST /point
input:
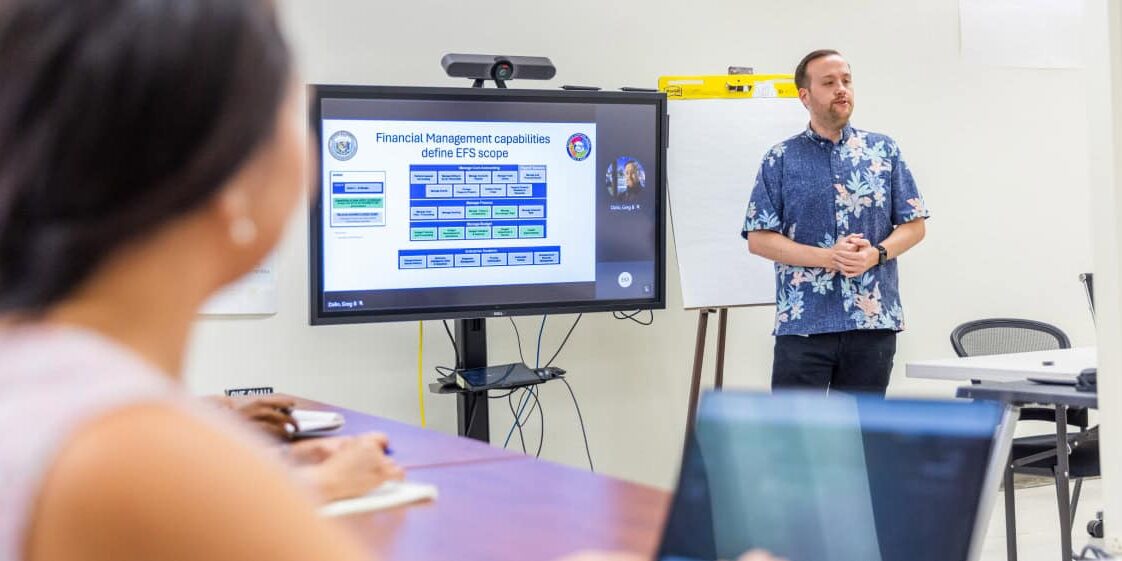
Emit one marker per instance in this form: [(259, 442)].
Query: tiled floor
[(1038, 536)]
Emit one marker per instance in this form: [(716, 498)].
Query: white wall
[(1000, 155)]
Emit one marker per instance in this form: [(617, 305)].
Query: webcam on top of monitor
[(499, 68)]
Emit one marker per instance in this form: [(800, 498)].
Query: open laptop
[(839, 478)]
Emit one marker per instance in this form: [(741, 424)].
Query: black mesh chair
[(1004, 336), (1033, 455)]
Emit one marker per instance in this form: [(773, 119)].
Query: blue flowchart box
[(450, 176), (494, 259), (423, 177), (370, 187), (451, 213), (531, 211), (438, 191), (519, 190), (504, 176), (478, 257), (465, 191), (494, 191), (439, 261), (547, 257), (465, 260), (531, 174)]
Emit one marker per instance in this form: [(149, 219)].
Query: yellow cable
[(420, 369)]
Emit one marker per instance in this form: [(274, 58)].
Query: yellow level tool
[(728, 86)]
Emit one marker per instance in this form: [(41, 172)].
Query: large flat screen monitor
[(440, 203)]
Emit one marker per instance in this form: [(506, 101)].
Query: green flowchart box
[(422, 234), (531, 231), (504, 232), (451, 233), (479, 233), (358, 202)]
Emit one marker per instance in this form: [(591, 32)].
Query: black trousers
[(850, 361)]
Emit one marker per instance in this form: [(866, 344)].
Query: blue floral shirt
[(815, 192)]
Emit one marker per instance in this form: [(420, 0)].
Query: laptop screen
[(839, 478)]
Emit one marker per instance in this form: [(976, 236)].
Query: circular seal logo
[(579, 146), (342, 145)]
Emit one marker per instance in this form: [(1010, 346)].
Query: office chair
[(1034, 455)]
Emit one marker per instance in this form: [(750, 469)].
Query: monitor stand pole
[(472, 416), (471, 407)]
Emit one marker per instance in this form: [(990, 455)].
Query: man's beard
[(837, 117)]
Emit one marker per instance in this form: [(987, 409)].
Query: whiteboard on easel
[(716, 146)]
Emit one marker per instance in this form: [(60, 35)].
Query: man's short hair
[(800, 70)]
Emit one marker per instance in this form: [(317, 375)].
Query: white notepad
[(389, 495)]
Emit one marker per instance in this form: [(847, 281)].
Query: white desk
[(1065, 363)]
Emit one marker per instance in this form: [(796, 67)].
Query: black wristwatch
[(882, 258)]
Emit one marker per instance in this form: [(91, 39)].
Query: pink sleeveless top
[(54, 380)]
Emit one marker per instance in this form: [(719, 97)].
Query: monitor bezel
[(318, 92)]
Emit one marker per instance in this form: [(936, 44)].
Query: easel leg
[(722, 328), (698, 361)]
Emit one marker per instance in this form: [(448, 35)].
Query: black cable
[(517, 337), (445, 375), (563, 341), (581, 418), (471, 417), (521, 437), (452, 340), (534, 394), (541, 421), (516, 414), (520, 423), (632, 315)]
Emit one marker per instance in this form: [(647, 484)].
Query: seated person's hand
[(315, 450), (357, 466), (269, 413)]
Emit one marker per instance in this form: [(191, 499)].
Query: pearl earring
[(243, 231)]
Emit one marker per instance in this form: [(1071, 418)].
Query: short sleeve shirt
[(815, 192)]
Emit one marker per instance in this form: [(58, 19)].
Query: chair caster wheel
[(1095, 528)]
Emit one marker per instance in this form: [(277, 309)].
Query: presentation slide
[(436, 204), (418, 204)]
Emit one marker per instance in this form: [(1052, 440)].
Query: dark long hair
[(117, 116)]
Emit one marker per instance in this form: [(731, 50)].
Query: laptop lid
[(839, 478)]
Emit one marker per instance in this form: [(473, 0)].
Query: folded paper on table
[(389, 495)]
